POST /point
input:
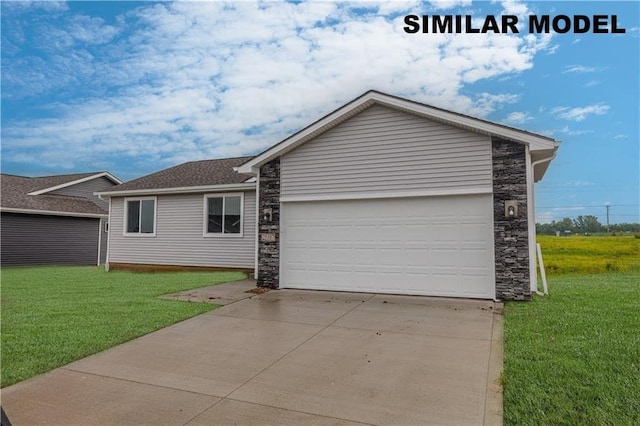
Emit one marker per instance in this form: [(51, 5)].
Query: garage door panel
[(431, 246), (478, 258)]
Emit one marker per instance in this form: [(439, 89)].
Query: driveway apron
[(288, 357)]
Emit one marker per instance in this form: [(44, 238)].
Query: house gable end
[(534, 141), (86, 189), (383, 151), (106, 175)]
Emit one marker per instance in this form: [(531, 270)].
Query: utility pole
[(608, 206)]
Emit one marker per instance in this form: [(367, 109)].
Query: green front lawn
[(573, 357), (54, 315)]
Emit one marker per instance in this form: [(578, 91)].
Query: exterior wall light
[(511, 208), (267, 215)]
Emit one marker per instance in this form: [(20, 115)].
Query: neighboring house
[(54, 220), (383, 195), (200, 213)]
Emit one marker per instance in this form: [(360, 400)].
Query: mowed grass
[(589, 254), (573, 357), (54, 315)]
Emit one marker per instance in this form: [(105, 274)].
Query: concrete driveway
[(288, 357)]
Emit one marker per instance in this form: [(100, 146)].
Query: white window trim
[(126, 215), (205, 216)]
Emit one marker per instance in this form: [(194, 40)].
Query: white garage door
[(441, 246)]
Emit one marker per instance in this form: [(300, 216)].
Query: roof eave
[(179, 190), (51, 212)]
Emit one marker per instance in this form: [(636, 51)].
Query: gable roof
[(187, 177), (62, 181), (545, 145), (22, 194)]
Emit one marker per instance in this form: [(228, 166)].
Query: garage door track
[(288, 357)]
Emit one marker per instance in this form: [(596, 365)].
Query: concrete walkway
[(222, 294), (287, 357)]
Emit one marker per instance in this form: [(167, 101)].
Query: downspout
[(531, 226), (106, 259), (99, 239), (100, 225), (533, 165)]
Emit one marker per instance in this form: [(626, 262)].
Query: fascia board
[(77, 181), (179, 190), (305, 134), (51, 212), (535, 142)]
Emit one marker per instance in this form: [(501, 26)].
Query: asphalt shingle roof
[(193, 173), (15, 190)]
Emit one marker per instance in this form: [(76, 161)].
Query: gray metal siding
[(179, 239), (86, 190), (48, 240), (385, 150)]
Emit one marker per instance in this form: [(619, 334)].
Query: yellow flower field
[(589, 254)]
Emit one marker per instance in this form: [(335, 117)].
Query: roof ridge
[(54, 176), (220, 159), (70, 174), (12, 175), (49, 194)]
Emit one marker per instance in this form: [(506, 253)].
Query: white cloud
[(577, 183), (579, 113), (571, 132), (21, 6), (449, 4), (514, 7), (88, 30), (181, 81), (581, 69), (518, 117)]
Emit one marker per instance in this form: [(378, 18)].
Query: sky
[(136, 87)]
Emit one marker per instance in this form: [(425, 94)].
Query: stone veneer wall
[(269, 250), (511, 235)]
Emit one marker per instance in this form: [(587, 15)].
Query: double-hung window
[(223, 215), (140, 214)]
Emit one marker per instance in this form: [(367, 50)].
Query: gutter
[(179, 190), (51, 212)]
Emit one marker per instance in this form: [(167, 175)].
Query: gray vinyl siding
[(179, 239), (86, 190), (385, 150), (28, 239)]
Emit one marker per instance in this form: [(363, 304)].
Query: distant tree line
[(583, 225)]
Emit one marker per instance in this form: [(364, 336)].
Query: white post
[(543, 274)]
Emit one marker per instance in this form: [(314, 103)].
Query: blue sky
[(134, 87)]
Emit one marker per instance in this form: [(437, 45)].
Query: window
[(223, 215), (106, 226), (140, 216)]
